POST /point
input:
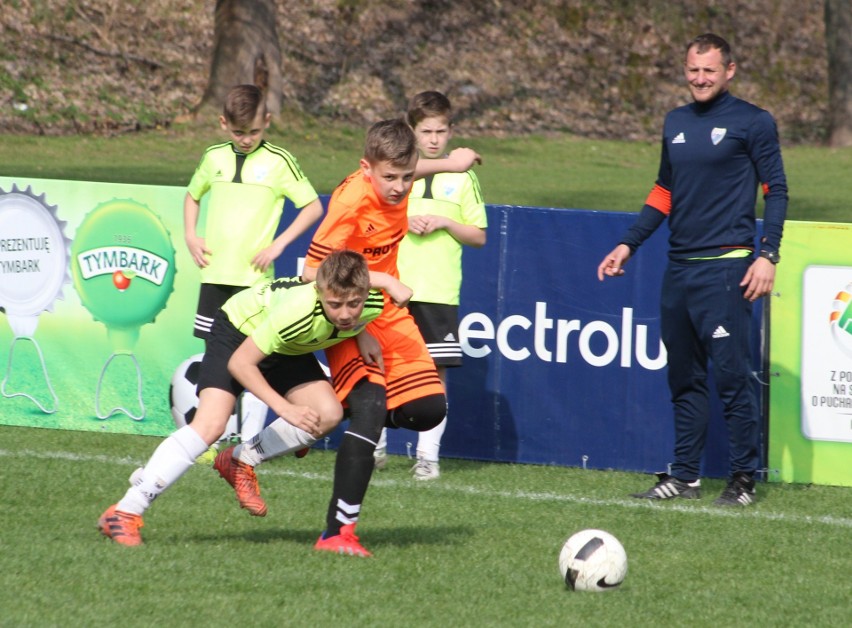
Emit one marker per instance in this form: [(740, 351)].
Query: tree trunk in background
[(838, 38), (245, 50)]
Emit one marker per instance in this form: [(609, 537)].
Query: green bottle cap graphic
[(123, 265)]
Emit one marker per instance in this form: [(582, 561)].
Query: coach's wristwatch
[(772, 256)]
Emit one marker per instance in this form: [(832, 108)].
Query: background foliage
[(607, 69)]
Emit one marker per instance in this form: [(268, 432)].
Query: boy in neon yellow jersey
[(247, 178), (263, 340), (445, 212)]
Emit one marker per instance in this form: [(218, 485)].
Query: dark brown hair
[(392, 141), (242, 104), (705, 42)]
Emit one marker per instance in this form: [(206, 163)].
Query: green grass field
[(553, 171), (478, 547)]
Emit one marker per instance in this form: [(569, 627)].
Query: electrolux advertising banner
[(572, 368), (559, 367), (810, 409)]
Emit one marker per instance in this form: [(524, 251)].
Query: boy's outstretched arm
[(399, 293), (459, 160), (243, 365)]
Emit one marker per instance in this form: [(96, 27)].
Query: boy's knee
[(420, 414), (331, 414), (367, 409), (210, 427)]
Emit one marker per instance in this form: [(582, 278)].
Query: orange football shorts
[(409, 370)]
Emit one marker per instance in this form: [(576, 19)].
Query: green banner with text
[(810, 394), (99, 295)]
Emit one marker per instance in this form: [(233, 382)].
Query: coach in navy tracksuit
[(716, 152)]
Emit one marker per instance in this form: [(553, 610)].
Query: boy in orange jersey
[(392, 380), (446, 212), (397, 385)]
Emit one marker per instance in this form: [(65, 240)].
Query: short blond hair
[(343, 272)]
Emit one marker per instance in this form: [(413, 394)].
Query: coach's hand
[(759, 279), (613, 264)]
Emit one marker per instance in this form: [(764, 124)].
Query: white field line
[(522, 496)]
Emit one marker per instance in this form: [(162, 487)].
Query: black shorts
[(283, 372), (439, 325), (211, 296)]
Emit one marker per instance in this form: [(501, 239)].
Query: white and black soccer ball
[(593, 560), (183, 397)]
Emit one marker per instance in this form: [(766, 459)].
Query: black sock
[(353, 467)]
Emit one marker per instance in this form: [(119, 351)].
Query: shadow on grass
[(387, 537)]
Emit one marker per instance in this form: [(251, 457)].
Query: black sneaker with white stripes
[(739, 492), (669, 487)]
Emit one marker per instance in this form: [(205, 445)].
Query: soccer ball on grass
[(593, 560)]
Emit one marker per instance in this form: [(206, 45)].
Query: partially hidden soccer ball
[(183, 397), (593, 560)]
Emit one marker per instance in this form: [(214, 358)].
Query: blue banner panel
[(573, 369), (561, 368)]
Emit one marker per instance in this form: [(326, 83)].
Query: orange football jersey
[(359, 221)]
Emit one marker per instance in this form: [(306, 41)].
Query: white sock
[(383, 439), (170, 460), (277, 439), (429, 442), (254, 413)]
